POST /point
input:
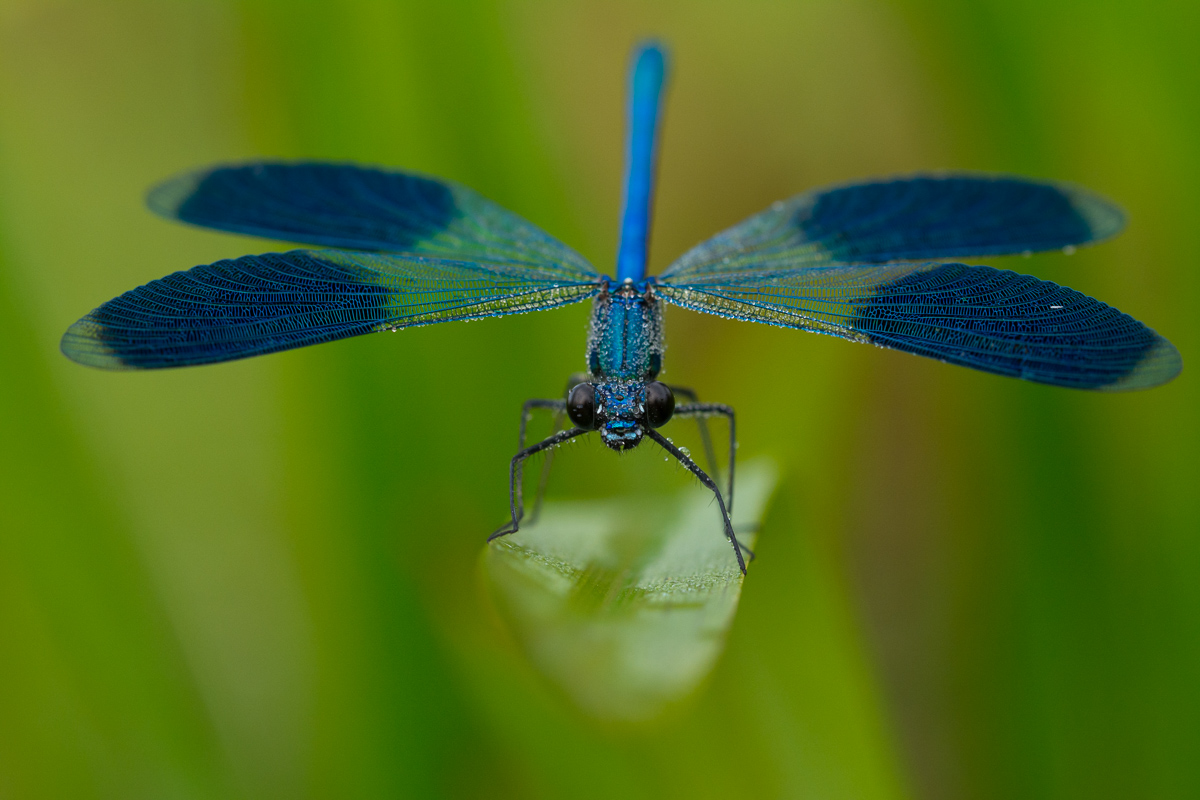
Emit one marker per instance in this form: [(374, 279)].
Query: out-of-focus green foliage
[(261, 579)]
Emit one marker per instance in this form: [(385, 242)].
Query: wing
[(988, 319), (361, 208), (920, 218), (262, 304)]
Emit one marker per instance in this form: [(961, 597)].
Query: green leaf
[(625, 603)]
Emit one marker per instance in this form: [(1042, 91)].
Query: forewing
[(277, 301), (361, 208), (919, 218), (993, 320)]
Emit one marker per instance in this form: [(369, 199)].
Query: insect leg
[(560, 414), (557, 405), (515, 503), (684, 459), (710, 455), (702, 410), (559, 408)]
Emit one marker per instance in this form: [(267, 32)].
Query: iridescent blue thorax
[(625, 347)]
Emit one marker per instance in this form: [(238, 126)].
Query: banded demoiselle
[(872, 262)]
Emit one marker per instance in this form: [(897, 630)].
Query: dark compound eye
[(660, 404), (581, 406)]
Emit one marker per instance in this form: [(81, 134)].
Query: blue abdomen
[(625, 342)]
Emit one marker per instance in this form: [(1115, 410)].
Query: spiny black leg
[(559, 407), (745, 529), (706, 409), (544, 478), (515, 503), (560, 413), (710, 455), (684, 459)]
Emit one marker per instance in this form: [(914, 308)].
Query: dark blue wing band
[(266, 303), (331, 205), (921, 218), (992, 320), (929, 217), (361, 208)]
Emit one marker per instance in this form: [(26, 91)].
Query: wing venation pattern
[(361, 208), (278, 301), (992, 320), (920, 218)]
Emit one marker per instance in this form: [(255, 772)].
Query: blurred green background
[(261, 579)]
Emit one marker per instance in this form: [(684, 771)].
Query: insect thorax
[(625, 347), (625, 340)]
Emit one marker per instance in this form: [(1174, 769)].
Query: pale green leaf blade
[(625, 603)]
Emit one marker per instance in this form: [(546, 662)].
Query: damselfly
[(869, 262)]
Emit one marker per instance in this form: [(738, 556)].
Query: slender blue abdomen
[(645, 89)]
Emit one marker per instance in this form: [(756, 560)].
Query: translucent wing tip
[(84, 344), (1161, 364), (166, 198), (1104, 217)]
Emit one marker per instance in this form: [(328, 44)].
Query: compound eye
[(581, 406), (660, 404)]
